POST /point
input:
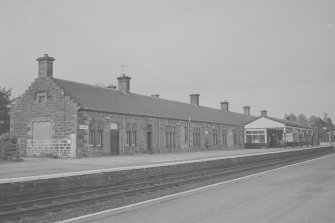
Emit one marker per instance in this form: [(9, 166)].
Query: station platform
[(46, 168)]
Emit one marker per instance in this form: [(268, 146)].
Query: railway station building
[(266, 131), (110, 121)]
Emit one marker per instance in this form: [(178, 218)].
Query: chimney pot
[(45, 66), (225, 106), (246, 110), (195, 99), (264, 113)]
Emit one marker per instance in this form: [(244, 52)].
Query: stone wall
[(58, 109), (158, 134), (65, 118)]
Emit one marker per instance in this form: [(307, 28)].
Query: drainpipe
[(159, 135), (219, 135), (189, 133), (123, 134)]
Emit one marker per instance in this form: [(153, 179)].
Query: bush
[(7, 139)]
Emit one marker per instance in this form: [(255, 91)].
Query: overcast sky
[(274, 55)]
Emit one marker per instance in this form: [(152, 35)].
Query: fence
[(60, 147)]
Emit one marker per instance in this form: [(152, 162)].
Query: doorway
[(149, 141), (114, 142), (149, 138), (275, 138)]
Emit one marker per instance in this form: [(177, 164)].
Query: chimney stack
[(246, 110), (264, 113), (195, 99), (45, 66), (225, 106), (155, 95), (124, 83)]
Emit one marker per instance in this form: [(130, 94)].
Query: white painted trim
[(264, 122), (147, 203), (258, 129)]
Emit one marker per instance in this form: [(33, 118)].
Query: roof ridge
[(91, 85), (170, 100)]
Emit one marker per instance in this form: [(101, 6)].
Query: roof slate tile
[(108, 100)]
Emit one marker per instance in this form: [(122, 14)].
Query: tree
[(303, 119), (329, 120), (5, 102), (326, 118), (313, 119), (291, 117)]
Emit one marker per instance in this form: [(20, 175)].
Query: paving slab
[(33, 167)]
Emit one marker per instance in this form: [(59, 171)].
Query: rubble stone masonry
[(58, 108), (66, 117)]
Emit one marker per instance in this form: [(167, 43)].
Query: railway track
[(16, 210)]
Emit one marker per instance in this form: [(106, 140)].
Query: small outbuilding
[(266, 131)]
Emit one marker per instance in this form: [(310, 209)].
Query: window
[(133, 138), (170, 136), (41, 97), (289, 130), (128, 138), (114, 126), (215, 136), (91, 133), (99, 137), (196, 136), (131, 130), (95, 133), (255, 136), (224, 137), (99, 133)]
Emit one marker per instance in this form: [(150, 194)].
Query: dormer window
[(41, 97)]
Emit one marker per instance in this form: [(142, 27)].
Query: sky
[(277, 55)]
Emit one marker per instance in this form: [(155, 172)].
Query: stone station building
[(110, 121)]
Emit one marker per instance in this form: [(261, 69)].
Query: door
[(149, 141), (114, 142)]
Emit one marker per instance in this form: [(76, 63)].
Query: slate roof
[(95, 98), (283, 121), (290, 123)]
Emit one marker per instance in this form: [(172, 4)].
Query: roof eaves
[(162, 117)]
